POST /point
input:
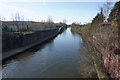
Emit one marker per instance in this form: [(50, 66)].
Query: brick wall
[(106, 44)]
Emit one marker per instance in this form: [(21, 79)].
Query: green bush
[(5, 28)]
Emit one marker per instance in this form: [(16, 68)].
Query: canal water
[(65, 56)]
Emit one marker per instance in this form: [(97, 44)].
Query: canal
[(65, 56)]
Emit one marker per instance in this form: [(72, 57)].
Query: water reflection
[(28, 52), (63, 57), (86, 69)]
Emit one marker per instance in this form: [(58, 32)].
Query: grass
[(84, 31)]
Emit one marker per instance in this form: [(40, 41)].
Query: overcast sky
[(36, 11)]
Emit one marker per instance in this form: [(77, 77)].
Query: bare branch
[(107, 8)]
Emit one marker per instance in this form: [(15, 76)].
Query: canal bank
[(66, 56), (104, 44), (17, 42)]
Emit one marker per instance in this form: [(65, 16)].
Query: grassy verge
[(83, 31)]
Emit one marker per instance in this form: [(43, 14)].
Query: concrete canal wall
[(13, 43)]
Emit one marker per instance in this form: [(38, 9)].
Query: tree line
[(49, 23), (108, 14)]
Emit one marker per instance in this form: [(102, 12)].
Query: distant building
[(14, 25)]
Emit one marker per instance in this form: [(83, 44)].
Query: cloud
[(7, 11)]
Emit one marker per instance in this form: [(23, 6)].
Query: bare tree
[(0, 22), (22, 19), (50, 19), (16, 18), (64, 21), (42, 21), (107, 8), (0, 18), (3, 19)]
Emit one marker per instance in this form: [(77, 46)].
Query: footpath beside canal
[(13, 43)]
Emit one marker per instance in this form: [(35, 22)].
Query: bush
[(5, 28)]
